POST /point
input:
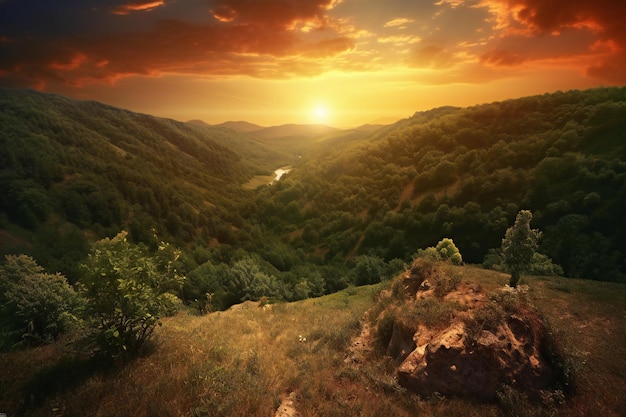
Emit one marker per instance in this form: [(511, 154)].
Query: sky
[(339, 62)]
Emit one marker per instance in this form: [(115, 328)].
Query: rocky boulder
[(485, 342), (459, 361)]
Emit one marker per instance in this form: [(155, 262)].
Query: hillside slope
[(69, 166), (247, 360), (464, 174)]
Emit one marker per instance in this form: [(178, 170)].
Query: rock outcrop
[(489, 341), (451, 362)]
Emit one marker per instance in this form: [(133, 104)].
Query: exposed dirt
[(287, 407)]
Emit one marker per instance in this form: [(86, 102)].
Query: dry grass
[(243, 362)]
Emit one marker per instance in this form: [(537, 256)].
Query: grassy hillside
[(247, 360)]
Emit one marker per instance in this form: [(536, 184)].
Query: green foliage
[(103, 169), (445, 250), (519, 244), (121, 282), (248, 282), (368, 270), (73, 171), (539, 264), (35, 306)]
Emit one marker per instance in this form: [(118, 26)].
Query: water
[(279, 173)]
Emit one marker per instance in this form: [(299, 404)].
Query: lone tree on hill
[(519, 244)]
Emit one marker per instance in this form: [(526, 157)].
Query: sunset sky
[(338, 62)]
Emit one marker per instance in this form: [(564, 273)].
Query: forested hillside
[(356, 206), (464, 174), (76, 171)]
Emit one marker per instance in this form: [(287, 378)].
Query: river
[(280, 172)]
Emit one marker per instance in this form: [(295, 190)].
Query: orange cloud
[(400, 22), (125, 9), (432, 56), (540, 18), (272, 13)]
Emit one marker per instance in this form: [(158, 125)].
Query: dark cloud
[(137, 38), (603, 18)]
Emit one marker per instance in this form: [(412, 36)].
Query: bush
[(445, 250), (120, 281), (448, 251), (445, 282), (542, 265), (35, 306)]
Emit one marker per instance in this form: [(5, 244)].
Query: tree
[(368, 270), (35, 306), (121, 282), (519, 245)]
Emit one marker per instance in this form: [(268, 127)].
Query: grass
[(245, 361)]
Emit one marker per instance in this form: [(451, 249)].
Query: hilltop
[(249, 359)]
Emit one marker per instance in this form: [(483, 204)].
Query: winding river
[(278, 173)]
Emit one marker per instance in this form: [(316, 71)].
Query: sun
[(320, 114)]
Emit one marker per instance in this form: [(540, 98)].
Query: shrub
[(120, 281), (35, 306), (445, 283), (445, 250), (542, 265), (384, 330), (429, 312)]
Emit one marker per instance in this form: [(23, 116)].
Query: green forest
[(355, 208)]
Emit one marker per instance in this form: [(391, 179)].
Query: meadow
[(249, 359)]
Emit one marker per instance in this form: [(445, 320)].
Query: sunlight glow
[(320, 114)]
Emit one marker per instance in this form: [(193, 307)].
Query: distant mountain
[(241, 126), (296, 131), (383, 121), (369, 128), (198, 123), (73, 171)]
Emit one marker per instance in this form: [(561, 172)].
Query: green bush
[(448, 251), (120, 280), (445, 250), (35, 306)]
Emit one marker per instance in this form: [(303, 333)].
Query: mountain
[(293, 131), (356, 208), (75, 171), (464, 173), (369, 128), (241, 126)]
